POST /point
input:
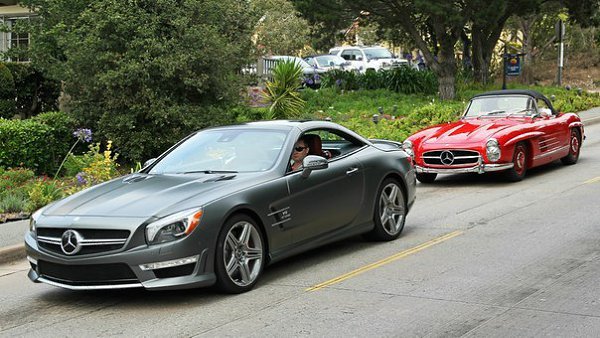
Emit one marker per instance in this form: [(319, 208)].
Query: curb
[(12, 253), (591, 121)]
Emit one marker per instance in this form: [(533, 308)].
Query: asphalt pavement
[(12, 233)]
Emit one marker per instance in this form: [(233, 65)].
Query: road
[(478, 257)]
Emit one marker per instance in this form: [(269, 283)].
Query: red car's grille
[(451, 157)]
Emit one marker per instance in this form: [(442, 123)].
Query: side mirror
[(149, 162), (313, 162)]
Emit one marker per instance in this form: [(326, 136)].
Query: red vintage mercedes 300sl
[(508, 130)]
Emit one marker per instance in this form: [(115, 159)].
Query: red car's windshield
[(500, 105)]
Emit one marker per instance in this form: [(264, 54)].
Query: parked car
[(327, 62), (221, 205), (312, 76), (509, 130), (371, 58)]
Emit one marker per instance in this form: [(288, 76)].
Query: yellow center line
[(593, 180), (385, 261)]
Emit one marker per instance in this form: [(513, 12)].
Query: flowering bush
[(42, 192), (97, 166)]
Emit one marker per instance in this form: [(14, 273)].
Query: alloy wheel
[(243, 253), (391, 209)]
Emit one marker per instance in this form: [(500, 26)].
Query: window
[(15, 39)]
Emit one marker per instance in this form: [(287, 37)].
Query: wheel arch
[(244, 210)]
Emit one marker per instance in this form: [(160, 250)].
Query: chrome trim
[(278, 211), (281, 222), (84, 242), (552, 152), (90, 287), (480, 169), (32, 260)]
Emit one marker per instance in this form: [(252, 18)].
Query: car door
[(555, 135), (327, 199), (354, 57)]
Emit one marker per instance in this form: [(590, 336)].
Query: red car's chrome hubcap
[(574, 144), (520, 160)]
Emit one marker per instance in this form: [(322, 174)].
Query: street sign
[(513, 64)]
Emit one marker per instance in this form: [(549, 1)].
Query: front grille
[(92, 274), (460, 157), (96, 240)]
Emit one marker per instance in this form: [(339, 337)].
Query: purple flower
[(80, 178), (317, 77), (309, 81), (338, 82), (83, 134)]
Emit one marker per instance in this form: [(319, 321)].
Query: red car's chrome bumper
[(479, 168)]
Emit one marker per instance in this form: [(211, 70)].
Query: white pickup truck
[(365, 58)]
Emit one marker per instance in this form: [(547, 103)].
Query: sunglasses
[(299, 149)]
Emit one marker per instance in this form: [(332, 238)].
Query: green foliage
[(25, 143), (34, 92), (12, 203), (280, 30), (41, 193), (283, 93), (144, 73), (39, 143), (402, 80), (7, 93), (97, 166)]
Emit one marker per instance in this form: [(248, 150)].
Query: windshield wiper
[(209, 172)]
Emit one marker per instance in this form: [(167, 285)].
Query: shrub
[(282, 92), (7, 92), (38, 144), (41, 193), (12, 203), (401, 79), (34, 92), (25, 143), (97, 167)]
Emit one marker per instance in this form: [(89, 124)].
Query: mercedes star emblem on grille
[(447, 157), (70, 242)]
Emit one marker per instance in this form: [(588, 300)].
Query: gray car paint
[(325, 207)]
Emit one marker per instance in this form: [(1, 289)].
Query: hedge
[(7, 92), (38, 144)]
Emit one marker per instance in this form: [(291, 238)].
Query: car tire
[(390, 211), (517, 172), (426, 177), (574, 148), (240, 255)]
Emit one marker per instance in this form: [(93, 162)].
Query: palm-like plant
[(283, 93)]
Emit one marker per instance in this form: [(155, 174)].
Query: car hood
[(470, 130), (141, 195)]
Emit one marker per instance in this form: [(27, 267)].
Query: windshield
[(327, 60), (378, 53), (222, 151), (500, 105)]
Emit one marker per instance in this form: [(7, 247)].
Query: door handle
[(351, 171)]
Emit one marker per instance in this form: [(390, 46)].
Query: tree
[(330, 17), (433, 25), (280, 30), (144, 73)]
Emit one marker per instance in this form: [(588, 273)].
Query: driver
[(299, 153)]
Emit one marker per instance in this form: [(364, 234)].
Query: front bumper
[(479, 168), (70, 272)]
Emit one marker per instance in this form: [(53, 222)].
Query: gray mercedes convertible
[(220, 205)]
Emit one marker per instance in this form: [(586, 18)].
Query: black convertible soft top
[(535, 94)]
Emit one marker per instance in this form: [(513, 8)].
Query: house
[(10, 14)]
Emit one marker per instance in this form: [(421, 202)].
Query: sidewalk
[(12, 233)]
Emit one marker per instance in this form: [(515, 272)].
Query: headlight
[(173, 227), (34, 218), (407, 146), (492, 150)]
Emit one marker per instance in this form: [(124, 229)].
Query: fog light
[(169, 264)]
